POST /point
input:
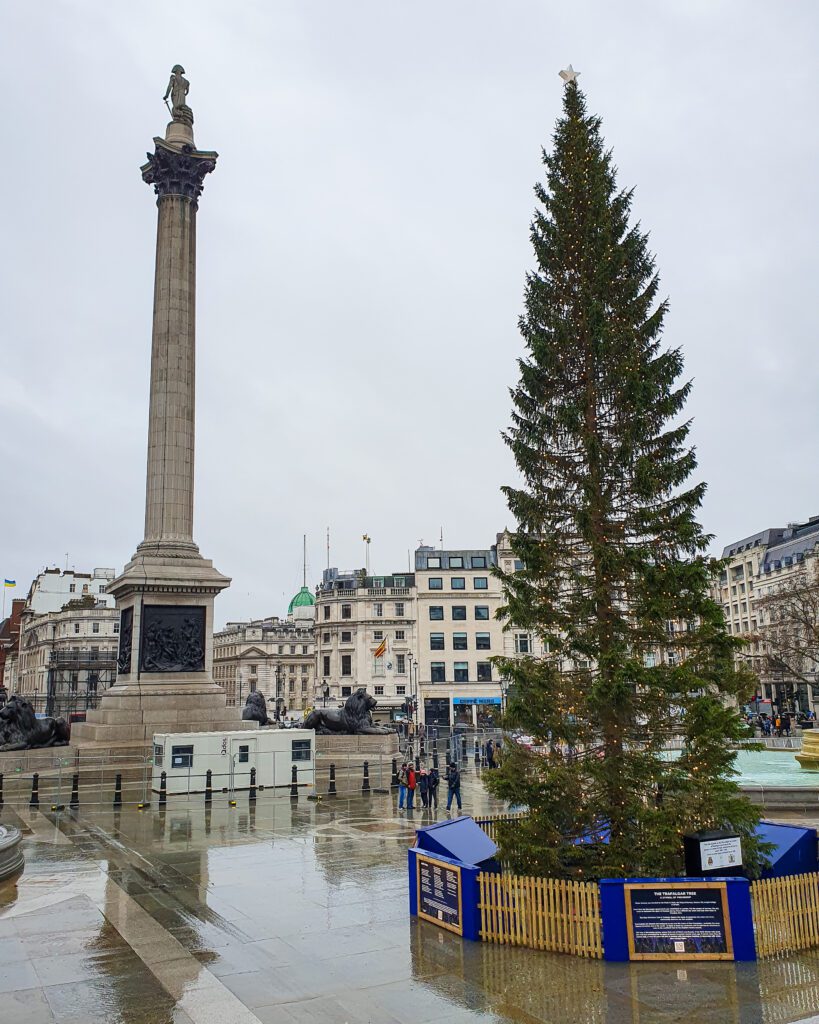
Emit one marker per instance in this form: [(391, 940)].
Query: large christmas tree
[(615, 579)]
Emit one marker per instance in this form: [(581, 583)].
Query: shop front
[(481, 713), (436, 713)]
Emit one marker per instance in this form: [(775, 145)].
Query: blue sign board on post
[(677, 919), (444, 866)]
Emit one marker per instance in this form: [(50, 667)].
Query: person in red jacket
[(411, 784)]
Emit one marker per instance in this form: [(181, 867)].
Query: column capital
[(178, 172)]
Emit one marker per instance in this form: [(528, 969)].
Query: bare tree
[(789, 624)]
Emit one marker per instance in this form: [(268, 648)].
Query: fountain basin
[(11, 855)]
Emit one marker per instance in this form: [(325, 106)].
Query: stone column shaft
[(171, 421)]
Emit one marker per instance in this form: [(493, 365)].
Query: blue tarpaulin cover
[(795, 851)]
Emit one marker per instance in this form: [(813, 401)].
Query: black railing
[(84, 657)]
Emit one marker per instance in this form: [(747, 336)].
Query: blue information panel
[(678, 921), (439, 893)]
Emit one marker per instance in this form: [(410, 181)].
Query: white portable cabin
[(185, 757)]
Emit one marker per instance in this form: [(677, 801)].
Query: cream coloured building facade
[(275, 656), (358, 616)]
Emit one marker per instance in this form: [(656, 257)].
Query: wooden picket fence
[(786, 913), (542, 913), (487, 822)]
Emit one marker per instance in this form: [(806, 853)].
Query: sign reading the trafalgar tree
[(678, 921), (439, 893)]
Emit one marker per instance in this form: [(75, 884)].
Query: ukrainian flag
[(9, 583)]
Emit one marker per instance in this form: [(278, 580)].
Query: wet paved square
[(297, 912)]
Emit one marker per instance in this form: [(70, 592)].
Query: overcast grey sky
[(362, 250)]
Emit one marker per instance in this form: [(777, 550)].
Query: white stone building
[(54, 588), (757, 567), (272, 655), (458, 634), (67, 658), (357, 618)]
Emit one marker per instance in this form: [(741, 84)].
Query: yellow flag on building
[(381, 649)]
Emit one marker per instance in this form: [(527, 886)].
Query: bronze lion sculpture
[(255, 709), (354, 719), (20, 729)]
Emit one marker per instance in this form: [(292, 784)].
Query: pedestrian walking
[(490, 753), (402, 786), (453, 781), (423, 787), (411, 784), (434, 783), (786, 724)]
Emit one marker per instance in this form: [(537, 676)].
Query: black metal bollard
[(75, 790), (393, 780), (477, 754), (331, 791), (434, 747), (463, 748), (118, 790), (365, 782), (35, 790), (417, 765), (251, 796), (163, 789), (208, 787), (423, 748), (435, 759), (294, 784), (1, 788)]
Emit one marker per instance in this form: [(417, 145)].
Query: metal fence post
[(75, 790), (163, 789), (208, 786), (394, 779), (331, 791), (118, 790), (35, 790), (251, 796), (294, 784), (365, 782)]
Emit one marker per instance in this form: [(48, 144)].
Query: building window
[(436, 583), (521, 643), (159, 751), (325, 638), (479, 561), (346, 636), (291, 686), (378, 609), (433, 562), (95, 627), (400, 664), (400, 690), (399, 634), (672, 658), (461, 672), (76, 627), (72, 587), (326, 612), (378, 582), (244, 753), (281, 649), (326, 671), (300, 750), (484, 672), (456, 562), (436, 641), (480, 583), (518, 565), (437, 671), (399, 609), (459, 611), (292, 648), (182, 757), (482, 611), (459, 642), (253, 670), (346, 691), (436, 612), (346, 611), (399, 581), (482, 641), (304, 648), (346, 664), (458, 583), (379, 691), (649, 660), (378, 634), (116, 627)]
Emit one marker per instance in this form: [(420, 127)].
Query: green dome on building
[(304, 599)]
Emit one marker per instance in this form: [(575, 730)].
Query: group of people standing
[(426, 783)]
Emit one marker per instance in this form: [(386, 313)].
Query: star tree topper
[(569, 75)]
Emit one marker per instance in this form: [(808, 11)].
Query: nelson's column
[(165, 593)]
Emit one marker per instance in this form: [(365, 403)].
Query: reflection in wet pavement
[(298, 913)]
